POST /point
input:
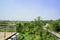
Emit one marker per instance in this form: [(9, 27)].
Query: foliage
[(32, 30), (54, 25)]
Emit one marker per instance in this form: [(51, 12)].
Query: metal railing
[(52, 32), (7, 30)]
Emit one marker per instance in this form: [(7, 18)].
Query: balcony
[(7, 31)]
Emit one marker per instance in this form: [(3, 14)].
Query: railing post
[(4, 32)]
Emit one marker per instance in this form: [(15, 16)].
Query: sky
[(26, 10)]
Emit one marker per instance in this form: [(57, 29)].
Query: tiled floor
[(4, 35)]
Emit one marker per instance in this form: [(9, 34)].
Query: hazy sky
[(29, 9)]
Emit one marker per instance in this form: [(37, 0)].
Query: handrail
[(4, 30), (7, 24), (52, 32)]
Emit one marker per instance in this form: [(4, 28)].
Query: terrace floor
[(5, 35)]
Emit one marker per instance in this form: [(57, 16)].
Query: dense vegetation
[(32, 30), (54, 25)]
